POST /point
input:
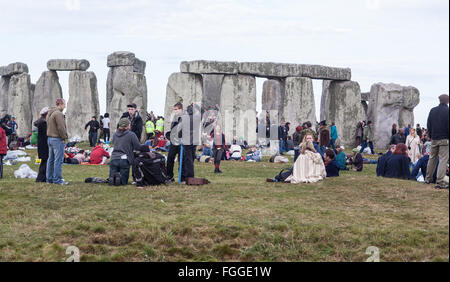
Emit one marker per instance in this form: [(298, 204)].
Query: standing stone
[(344, 108), (67, 65), (273, 96), (46, 92), (212, 85), (4, 87), (19, 102), (14, 68), (238, 108), (181, 87), (324, 99), (83, 102), (298, 104), (389, 104)]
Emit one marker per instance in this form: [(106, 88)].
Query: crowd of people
[(317, 151)]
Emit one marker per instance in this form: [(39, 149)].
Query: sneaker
[(427, 182), (442, 187), (269, 180), (64, 183)]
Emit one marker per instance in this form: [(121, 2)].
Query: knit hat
[(355, 150), (123, 123), (44, 111), (299, 128)]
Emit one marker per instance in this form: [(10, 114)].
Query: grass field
[(239, 217)]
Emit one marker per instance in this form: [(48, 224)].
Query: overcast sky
[(398, 41)]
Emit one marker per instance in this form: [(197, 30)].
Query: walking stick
[(181, 163)]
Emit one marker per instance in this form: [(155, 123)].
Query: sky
[(391, 41)]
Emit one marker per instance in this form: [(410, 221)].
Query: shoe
[(217, 170), (442, 187), (171, 180), (269, 180), (427, 182), (64, 183)]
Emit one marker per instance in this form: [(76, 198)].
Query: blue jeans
[(332, 144), (282, 147), (121, 166), (207, 152), (364, 145), (55, 160)]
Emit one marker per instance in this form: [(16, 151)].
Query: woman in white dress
[(413, 143), (309, 166)]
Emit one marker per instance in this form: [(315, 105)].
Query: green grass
[(239, 217)]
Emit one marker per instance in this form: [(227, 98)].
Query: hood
[(121, 134), (52, 111), (39, 122)]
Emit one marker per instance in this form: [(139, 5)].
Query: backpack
[(149, 169), (115, 180), (95, 180), (284, 174)]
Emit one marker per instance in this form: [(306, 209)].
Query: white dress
[(413, 143), (308, 168)]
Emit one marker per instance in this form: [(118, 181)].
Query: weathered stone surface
[(121, 58), (238, 107), (14, 68), (67, 65), (294, 70), (344, 108), (181, 87), (212, 85), (47, 90), (82, 104), (128, 87), (365, 96), (298, 103), (209, 67), (139, 66), (19, 102), (273, 96), (324, 99), (389, 104), (4, 87)]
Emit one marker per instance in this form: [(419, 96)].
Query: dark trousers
[(106, 134), (93, 138), (218, 153), (42, 175), (121, 166), (188, 161), (365, 144), (1, 166), (173, 152)]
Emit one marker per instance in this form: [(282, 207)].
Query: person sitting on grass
[(98, 153), (236, 152), (253, 155), (357, 160), (331, 165), (420, 168), (125, 142), (80, 156), (341, 158), (382, 160), (397, 165)]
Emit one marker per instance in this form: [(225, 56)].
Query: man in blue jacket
[(382, 160), (438, 131)]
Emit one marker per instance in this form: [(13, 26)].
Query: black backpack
[(115, 179), (150, 169), (284, 174)]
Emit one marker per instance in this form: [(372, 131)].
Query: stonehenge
[(126, 83), (68, 65), (19, 102), (389, 104)]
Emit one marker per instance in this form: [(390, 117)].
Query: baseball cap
[(132, 105), (44, 111), (123, 123)]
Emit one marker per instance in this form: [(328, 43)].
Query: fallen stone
[(181, 87), (46, 92), (19, 102), (209, 67), (14, 68), (389, 104), (298, 102), (82, 104), (344, 108), (121, 58)]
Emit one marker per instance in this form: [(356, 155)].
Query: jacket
[(397, 166), (382, 163), (296, 137), (368, 133), (341, 159), (94, 126), (97, 155), (397, 139), (3, 145), (124, 144), (422, 165), (332, 169), (358, 162), (42, 145), (334, 133), (136, 123), (437, 123), (56, 125)]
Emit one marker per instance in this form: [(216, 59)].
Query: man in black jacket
[(135, 118), (42, 145), (93, 131), (437, 126), (398, 138)]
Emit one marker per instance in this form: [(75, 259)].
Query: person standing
[(57, 136), (135, 118), (394, 129), (106, 131), (398, 138), (359, 133), (413, 144), (218, 147), (282, 136), (367, 138), (419, 131), (159, 124), (333, 136), (324, 135), (437, 125), (175, 142), (42, 146), (93, 131), (296, 137), (3, 149)]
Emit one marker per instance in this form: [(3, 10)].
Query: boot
[(217, 170)]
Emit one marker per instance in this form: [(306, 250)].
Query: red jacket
[(97, 155), (3, 145)]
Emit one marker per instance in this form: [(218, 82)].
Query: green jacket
[(368, 135), (149, 127), (160, 125)]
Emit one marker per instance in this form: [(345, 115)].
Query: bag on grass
[(150, 169), (115, 180), (284, 174), (95, 180), (196, 181)]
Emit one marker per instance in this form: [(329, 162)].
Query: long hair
[(307, 145), (401, 149)]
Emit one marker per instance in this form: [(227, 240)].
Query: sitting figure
[(420, 168), (309, 166), (341, 158), (236, 152), (357, 160), (397, 165), (254, 155), (382, 160), (98, 153), (80, 156), (331, 165)]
